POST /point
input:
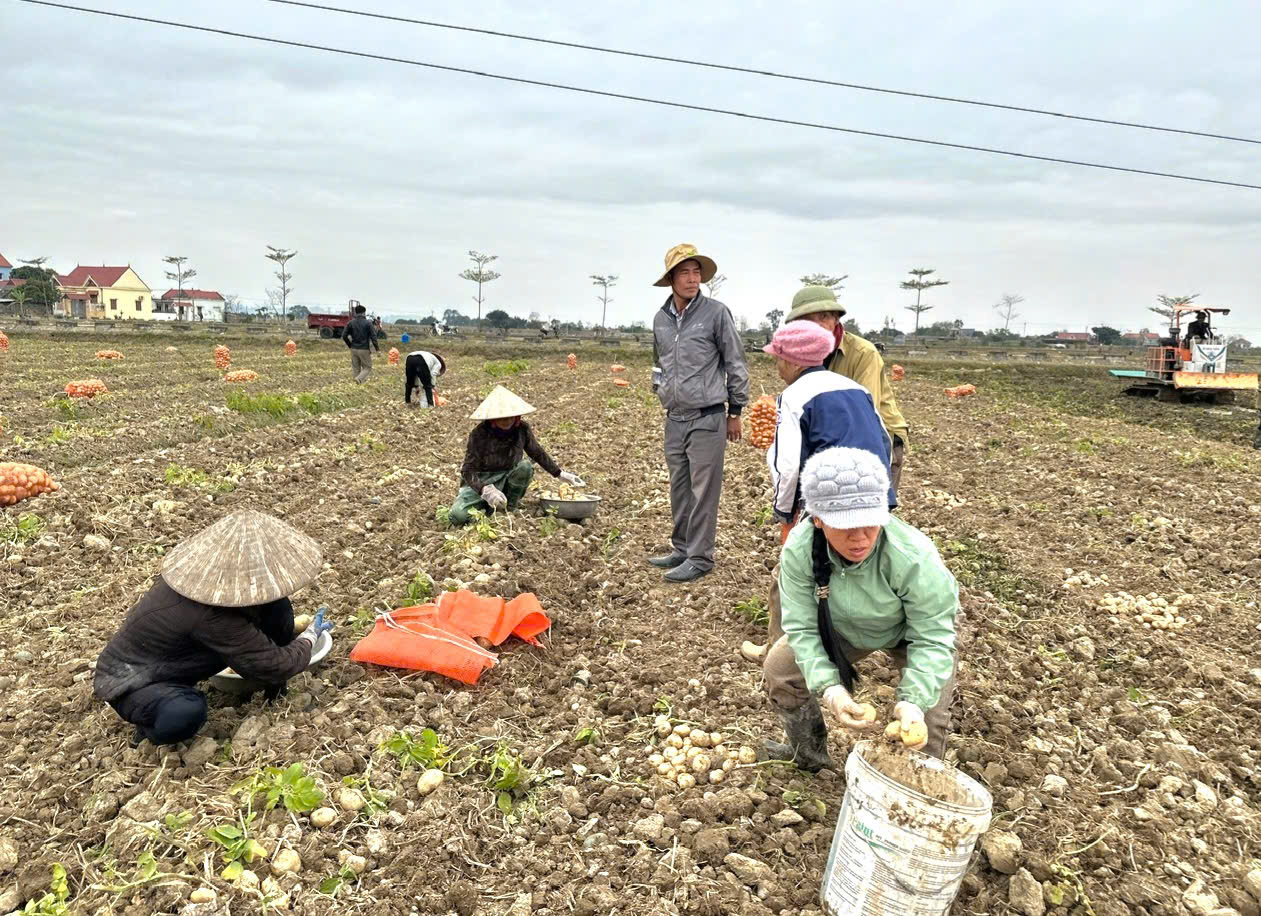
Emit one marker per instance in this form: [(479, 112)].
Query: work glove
[(494, 496), (911, 719), (572, 479), (858, 716), (317, 626)]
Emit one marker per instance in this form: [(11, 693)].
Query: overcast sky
[(124, 142)]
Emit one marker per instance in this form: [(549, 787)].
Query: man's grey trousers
[(695, 450)]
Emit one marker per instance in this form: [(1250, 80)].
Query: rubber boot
[(807, 735), (1256, 440)]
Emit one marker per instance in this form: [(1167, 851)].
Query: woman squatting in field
[(854, 580), (495, 473), (222, 600), (818, 410)]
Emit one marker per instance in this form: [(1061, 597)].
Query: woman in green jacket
[(855, 580)]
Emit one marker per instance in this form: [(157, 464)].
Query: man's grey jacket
[(701, 358)]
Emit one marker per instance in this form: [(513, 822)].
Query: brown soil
[(910, 771)]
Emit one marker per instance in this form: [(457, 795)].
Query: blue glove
[(317, 626)]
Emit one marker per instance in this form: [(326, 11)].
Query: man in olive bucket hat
[(858, 359), (701, 377), (222, 600)]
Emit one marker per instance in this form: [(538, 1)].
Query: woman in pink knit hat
[(817, 410)]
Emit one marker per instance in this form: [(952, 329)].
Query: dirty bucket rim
[(985, 801)]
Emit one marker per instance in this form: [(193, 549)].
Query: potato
[(674, 741), (656, 759), (700, 763), (350, 799), (868, 712), (686, 781), (301, 622), (323, 817), (715, 739), (286, 862), (202, 895), (746, 754), (916, 734), (429, 780), (682, 730), (664, 769), (700, 739), (717, 776)]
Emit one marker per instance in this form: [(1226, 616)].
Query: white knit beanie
[(846, 488)]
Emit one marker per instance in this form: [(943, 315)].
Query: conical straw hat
[(501, 404), (243, 559)]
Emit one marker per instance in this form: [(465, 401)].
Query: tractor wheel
[(326, 332)]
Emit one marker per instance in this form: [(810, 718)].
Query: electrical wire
[(686, 106), (753, 71)]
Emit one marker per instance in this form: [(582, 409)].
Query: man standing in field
[(858, 359), (359, 335), (700, 375)]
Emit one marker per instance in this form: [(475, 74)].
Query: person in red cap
[(817, 410)]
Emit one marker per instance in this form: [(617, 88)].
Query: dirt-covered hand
[(858, 716), (911, 719), (494, 496)]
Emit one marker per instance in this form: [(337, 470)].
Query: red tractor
[(333, 325)]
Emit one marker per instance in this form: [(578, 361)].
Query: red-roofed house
[(105, 293), (1072, 337), (191, 305), (1144, 338), (5, 267)]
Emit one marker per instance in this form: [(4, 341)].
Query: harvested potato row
[(693, 756)]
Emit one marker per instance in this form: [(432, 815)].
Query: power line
[(770, 119), (732, 68)]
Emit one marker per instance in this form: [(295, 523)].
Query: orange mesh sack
[(528, 618), (960, 391), (392, 356), (897, 373), (762, 419), (414, 643), (492, 619)]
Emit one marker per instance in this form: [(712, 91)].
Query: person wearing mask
[(855, 580), (498, 458), (222, 600), (856, 358), (359, 335), (701, 378), (817, 410), (421, 368)]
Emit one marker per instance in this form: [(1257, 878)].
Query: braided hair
[(821, 565)]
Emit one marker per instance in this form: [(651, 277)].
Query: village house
[(189, 305), (1143, 338), (1073, 337), (5, 269), (104, 293)]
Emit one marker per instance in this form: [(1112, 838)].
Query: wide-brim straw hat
[(499, 405), (244, 559), (686, 252), (811, 300)]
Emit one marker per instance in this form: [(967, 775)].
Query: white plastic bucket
[(897, 852)]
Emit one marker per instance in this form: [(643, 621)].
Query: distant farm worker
[(495, 475), (854, 580), (701, 378), (422, 367), (856, 358), (359, 335), (222, 600), (818, 410)]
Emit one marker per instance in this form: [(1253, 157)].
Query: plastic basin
[(571, 509), (230, 682)]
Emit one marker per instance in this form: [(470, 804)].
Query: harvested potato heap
[(223, 357), (1083, 579), (108, 354), (692, 756), (762, 418), (1151, 610), (393, 356), (241, 375), (291, 348), (566, 492), (22, 481), (86, 388), (572, 361)]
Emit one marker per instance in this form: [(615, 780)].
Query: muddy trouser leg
[(797, 708), (465, 501), (938, 718), (164, 713), (706, 452), (774, 628), (680, 483), (896, 458), (517, 481)]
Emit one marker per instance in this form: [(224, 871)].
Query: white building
[(190, 305)]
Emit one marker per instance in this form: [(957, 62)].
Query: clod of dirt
[(902, 768), (462, 897), (1025, 894), (1003, 851)]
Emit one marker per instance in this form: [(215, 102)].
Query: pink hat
[(802, 343)]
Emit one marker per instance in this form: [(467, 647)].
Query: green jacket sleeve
[(799, 610), (930, 600)]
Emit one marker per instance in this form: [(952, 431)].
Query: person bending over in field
[(422, 368), (817, 410), (495, 474), (222, 600), (854, 580)]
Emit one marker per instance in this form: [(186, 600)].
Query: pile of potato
[(291, 348), (241, 375), (762, 419), (86, 388), (108, 354), (941, 497), (565, 492), (223, 357), (692, 756), (1151, 610), (1083, 579)]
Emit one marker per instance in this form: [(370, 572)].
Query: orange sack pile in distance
[(960, 391)]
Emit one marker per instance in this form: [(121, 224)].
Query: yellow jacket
[(858, 359)]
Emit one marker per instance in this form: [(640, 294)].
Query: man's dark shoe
[(686, 572), (668, 561)]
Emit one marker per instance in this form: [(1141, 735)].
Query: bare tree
[(1006, 307), (231, 305), (715, 283), (831, 282), (276, 304), (282, 256), (604, 282), (773, 316), (1169, 303), (919, 283), (480, 276), (179, 274)]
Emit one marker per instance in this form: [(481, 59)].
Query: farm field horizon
[(1121, 746)]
